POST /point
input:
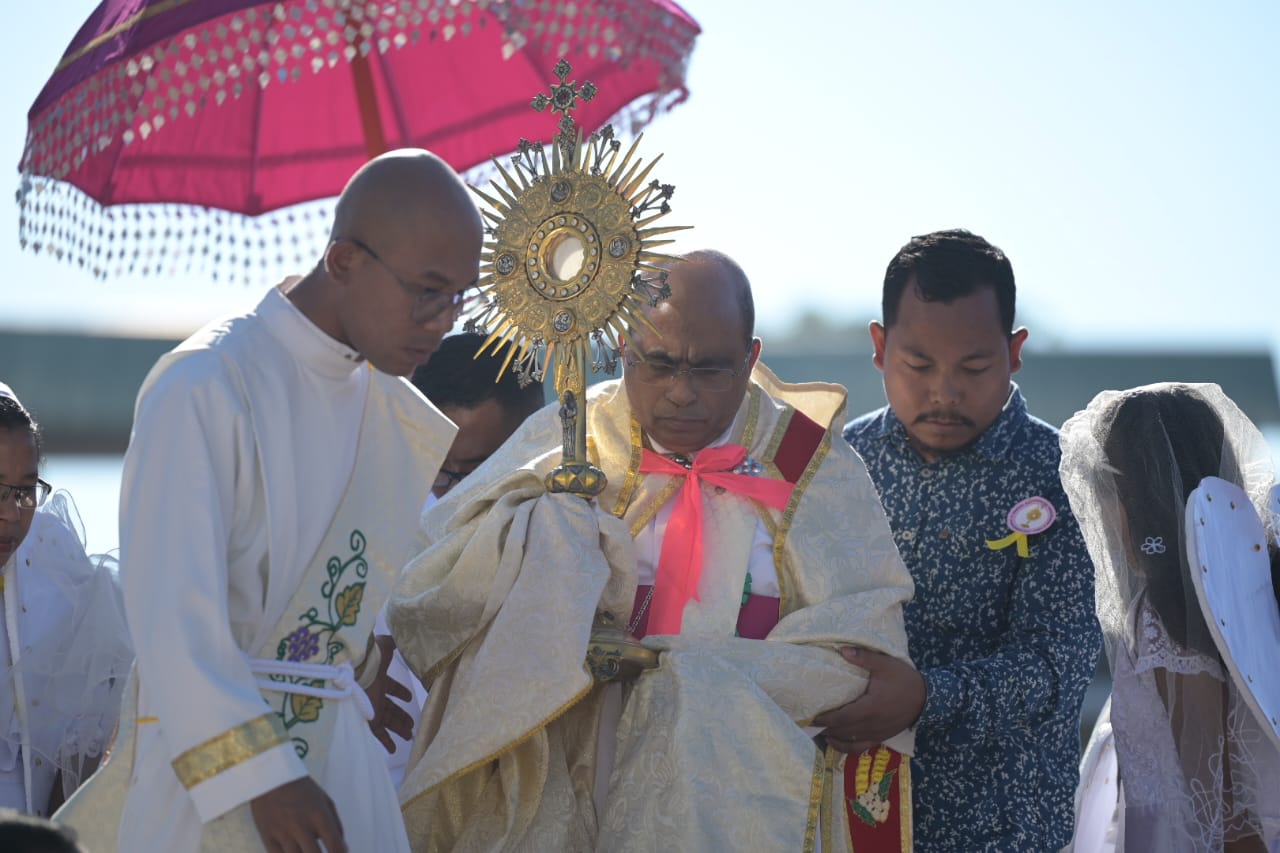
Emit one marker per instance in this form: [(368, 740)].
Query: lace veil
[(76, 652), (1194, 753)]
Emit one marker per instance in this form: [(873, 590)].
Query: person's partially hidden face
[(482, 429), (401, 304), (19, 466), (699, 326), (947, 368)]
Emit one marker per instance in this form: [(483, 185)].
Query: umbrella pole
[(375, 141)]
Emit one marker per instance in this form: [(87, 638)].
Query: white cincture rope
[(342, 676)]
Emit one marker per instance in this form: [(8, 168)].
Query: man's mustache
[(943, 417)]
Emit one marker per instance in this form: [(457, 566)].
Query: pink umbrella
[(169, 126)]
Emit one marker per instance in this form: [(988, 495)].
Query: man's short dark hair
[(454, 377), (23, 833), (14, 416), (948, 265)]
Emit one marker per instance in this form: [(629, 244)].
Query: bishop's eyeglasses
[(653, 370), (25, 497)]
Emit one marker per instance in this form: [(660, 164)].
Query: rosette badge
[(1034, 515), (570, 263), (1026, 519)]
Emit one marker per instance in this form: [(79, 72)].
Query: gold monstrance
[(569, 264)]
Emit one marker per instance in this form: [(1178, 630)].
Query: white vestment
[(244, 451)]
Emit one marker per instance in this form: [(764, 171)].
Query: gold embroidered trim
[(788, 516), (779, 431), (433, 673), (817, 786), (831, 801), (633, 469), (232, 747), (775, 527), (766, 517), (753, 416), (651, 509), (904, 801)]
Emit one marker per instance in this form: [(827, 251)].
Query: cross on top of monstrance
[(569, 264)]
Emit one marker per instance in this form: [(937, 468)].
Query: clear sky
[(1123, 155)]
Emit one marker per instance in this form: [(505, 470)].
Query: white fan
[(1227, 555), (1098, 799)]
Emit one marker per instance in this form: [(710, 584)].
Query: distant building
[(82, 387), (1058, 384)]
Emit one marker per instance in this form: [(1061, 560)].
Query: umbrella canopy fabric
[(237, 107)]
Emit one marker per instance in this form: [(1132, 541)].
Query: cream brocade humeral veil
[(496, 613)]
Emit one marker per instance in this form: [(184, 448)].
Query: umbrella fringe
[(59, 221), (174, 241)]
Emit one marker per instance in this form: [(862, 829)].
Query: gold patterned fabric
[(228, 749), (709, 752)]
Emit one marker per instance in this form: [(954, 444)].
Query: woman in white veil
[(1197, 772), (64, 647)]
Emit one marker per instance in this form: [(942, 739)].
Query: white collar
[(313, 345)]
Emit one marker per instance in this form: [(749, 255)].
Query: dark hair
[(14, 417), (948, 265), (1163, 442), (22, 833), (736, 278), (455, 377)]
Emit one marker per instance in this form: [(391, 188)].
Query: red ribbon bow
[(680, 562)]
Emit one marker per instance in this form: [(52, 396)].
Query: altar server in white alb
[(271, 492)]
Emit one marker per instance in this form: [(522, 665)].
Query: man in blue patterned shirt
[(1005, 638)]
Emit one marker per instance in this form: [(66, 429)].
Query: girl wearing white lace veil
[(64, 647), (1197, 772)]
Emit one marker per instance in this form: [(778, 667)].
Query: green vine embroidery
[(319, 630)]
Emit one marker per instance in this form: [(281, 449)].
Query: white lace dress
[(1196, 769)]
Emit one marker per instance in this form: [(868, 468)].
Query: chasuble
[(518, 749)]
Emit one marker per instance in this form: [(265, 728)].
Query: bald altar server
[(271, 489)]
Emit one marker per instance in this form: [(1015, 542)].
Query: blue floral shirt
[(1006, 645)]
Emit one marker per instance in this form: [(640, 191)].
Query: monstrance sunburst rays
[(570, 263)]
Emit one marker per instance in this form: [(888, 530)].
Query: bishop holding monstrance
[(629, 616)]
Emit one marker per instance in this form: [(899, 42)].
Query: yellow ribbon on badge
[(1015, 538), (1027, 518)]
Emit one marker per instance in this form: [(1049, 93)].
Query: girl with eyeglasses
[(64, 647)]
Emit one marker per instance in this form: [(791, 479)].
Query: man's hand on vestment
[(295, 817), (893, 702), (388, 717)]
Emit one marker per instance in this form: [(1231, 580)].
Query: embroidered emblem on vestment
[(316, 638)]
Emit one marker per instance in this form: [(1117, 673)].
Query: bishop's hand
[(892, 702)]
